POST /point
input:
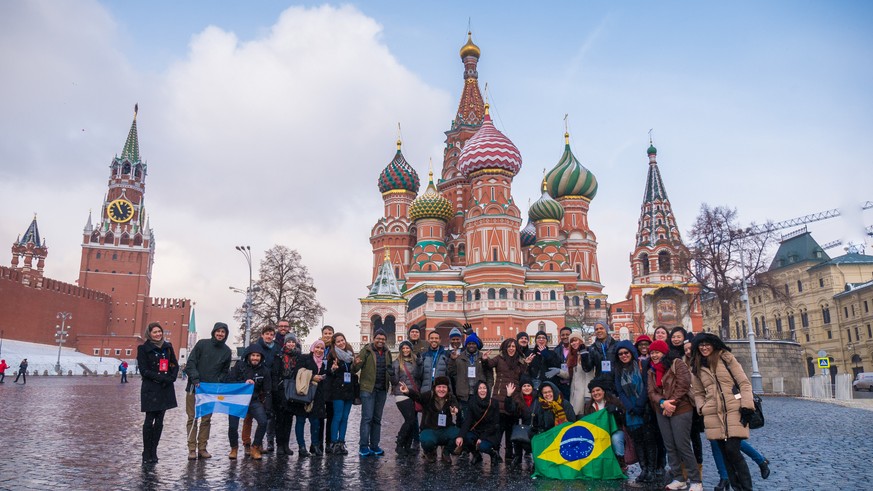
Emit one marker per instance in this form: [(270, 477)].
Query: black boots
[(765, 469), (151, 436), (476, 457), (316, 450), (495, 456), (283, 449), (723, 484)]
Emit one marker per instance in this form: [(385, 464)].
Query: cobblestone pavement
[(84, 434)]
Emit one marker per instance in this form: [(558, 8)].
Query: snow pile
[(44, 357)]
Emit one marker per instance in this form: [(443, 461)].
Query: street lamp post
[(1, 341), (61, 335), (247, 253), (101, 351), (757, 382)]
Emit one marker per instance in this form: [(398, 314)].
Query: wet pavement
[(84, 434)]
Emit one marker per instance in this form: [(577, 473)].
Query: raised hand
[(510, 389), (454, 410), (530, 358), (484, 355), (335, 365)]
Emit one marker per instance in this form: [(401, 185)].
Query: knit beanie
[(659, 346), (442, 380), (455, 333)]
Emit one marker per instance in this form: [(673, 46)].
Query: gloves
[(746, 415), (468, 328), (611, 408)]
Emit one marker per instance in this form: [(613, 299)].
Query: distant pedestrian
[(159, 368), (22, 372), (3, 367), (209, 361), (122, 367)]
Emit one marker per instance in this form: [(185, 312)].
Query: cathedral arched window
[(451, 296), (644, 260), (125, 169), (503, 294), (664, 264), (137, 172), (553, 295), (492, 294), (587, 304), (469, 296), (575, 301), (477, 295), (538, 296), (597, 304), (437, 296)]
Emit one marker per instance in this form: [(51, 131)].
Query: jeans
[(676, 433), (738, 471), (618, 443), (470, 443), (431, 439), (314, 431), (258, 412), (284, 423), (123, 377), (410, 418), (340, 421), (745, 447), (372, 404)]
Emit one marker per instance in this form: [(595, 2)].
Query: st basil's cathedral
[(461, 252)]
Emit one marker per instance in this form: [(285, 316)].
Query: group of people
[(22, 372), (663, 393)]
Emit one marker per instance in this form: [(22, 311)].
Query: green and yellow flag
[(580, 450)]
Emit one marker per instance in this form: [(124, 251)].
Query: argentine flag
[(232, 399)]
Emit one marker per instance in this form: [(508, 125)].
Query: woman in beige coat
[(723, 396), (575, 372)]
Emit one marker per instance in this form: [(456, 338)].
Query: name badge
[(738, 396), (471, 372), (163, 365), (441, 420), (605, 366), (563, 367), (347, 378)]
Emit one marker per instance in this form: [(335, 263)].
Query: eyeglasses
[(705, 345), (624, 353)]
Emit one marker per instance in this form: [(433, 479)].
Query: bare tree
[(718, 246), (284, 291)]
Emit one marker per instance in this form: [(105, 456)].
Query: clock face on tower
[(120, 210)]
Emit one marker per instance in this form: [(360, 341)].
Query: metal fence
[(820, 387)]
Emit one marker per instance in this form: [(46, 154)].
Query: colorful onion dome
[(431, 204), (569, 177), (528, 234), (546, 208), (488, 148), (399, 175), (469, 49)]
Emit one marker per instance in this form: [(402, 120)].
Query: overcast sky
[(266, 123)]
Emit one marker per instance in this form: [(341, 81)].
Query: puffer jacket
[(715, 400), (406, 373), (432, 364), (676, 384)]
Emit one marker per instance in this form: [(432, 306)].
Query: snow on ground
[(44, 357)]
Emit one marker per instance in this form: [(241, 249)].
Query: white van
[(864, 381)]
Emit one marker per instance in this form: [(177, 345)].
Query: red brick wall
[(30, 314), (174, 315), (125, 278)]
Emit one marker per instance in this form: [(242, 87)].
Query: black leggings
[(507, 421), (738, 471), (407, 410), (154, 420)]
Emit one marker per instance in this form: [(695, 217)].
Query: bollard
[(45, 372), (105, 373), (69, 373)]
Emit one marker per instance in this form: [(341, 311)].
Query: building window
[(98, 256), (866, 307), (451, 297), (800, 286), (469, 296), (778, 324), (869, 331), (114, 257), (106, 351), (846, 312), (538, 296), (644, 259), (575, 301), (117, 352), (587, 304), (553, 295), (437, 296), (96, 351), (857, 334), (821, 282), (804, 319), (492, 294), (503, 294), (664, 265), (786, 289), (127, 352), (494, 254), (830, 335), (477, 295), (826, 315), (807, 338), (790, 322)]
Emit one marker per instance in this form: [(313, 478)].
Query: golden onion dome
[(470, 49)]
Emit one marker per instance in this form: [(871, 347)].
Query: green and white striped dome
[(546, 208), (569, 177)]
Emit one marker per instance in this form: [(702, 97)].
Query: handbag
[(757, 419), (520, 433), (292, 395)]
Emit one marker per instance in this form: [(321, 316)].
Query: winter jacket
[(367, 368), (243, 370), (340, 390), (543, 362), (209, 361), (579, 384), (318, 409), (518, 407), (634, 406), (508, 370), (613, 407), (406, 373), (432, 364), (430, 413), (419, 346), (283, 370), (157, 392), (270, 354), (599, 352), (544, 420), (3, 366), (715, 400), (459, 371), (676, 384), (483, 419)]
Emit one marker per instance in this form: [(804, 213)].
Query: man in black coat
[(209, 361), (271, 350), (545, 365), (601, 356)]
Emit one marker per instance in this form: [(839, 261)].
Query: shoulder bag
[(757, 419)]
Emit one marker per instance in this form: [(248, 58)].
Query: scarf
[(631, 380), (343, 355), (317, 359), (289, 360), (528, 399), (158, 344), (556, 408), (659, 368)]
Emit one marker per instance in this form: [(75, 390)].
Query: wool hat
[(442, 380), (659, 346), (473, 338), (414, 328), (541, 333), (379, 332), (641, 338), (577, 335), (405, 342), (455, 333), (522, 334), (565, 328), (598, 382), (292, 337), (524, 379)]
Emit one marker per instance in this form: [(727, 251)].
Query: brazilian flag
[(580, 450)]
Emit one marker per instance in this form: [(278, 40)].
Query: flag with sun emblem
[(580, 450), (232, 399)]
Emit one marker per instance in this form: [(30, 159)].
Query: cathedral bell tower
[(118, 250)]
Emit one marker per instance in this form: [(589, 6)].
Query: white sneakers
[(678, 485), (698, 486)]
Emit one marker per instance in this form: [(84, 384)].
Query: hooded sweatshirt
[(209, 361), (259, 373)]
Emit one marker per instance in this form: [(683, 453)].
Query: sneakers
[(378, 452), (674, 485), (697, 486), (365, 452)]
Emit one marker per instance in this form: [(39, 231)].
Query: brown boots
[(233, 452), (203, 454), (256, 452)]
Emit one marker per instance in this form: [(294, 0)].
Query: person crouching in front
[(439, 408), (251, 370)]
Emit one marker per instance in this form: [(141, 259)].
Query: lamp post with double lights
[(756, 379), (61, 335), (247, 253)]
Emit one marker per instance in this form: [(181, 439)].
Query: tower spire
[(131, 145)]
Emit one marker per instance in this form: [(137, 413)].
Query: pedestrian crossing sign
[(824, 363)]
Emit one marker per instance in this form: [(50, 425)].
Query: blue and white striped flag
[(232, 399)]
